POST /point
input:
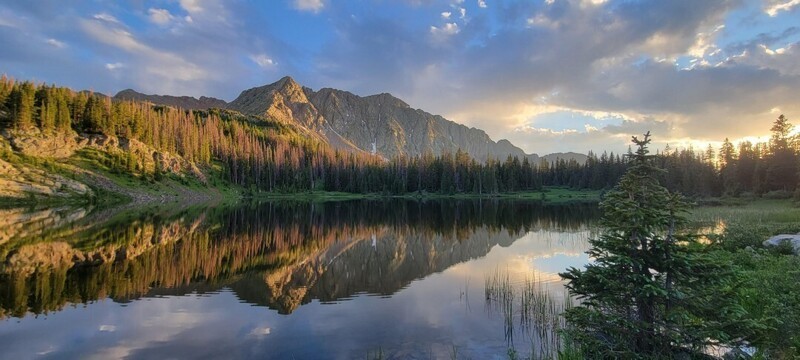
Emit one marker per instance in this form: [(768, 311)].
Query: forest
[(259, 154)]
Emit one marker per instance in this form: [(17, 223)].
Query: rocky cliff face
[(286, 101), (184, 102)]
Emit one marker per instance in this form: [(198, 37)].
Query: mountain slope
[(184, 102)]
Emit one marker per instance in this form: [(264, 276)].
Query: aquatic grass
[(535, 310)]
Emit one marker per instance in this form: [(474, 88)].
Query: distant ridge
[(184, 102)]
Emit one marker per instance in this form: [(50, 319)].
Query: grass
[(747, 225), (533, 309), (768, 279)]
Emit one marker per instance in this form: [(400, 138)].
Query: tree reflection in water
[(279, 255)]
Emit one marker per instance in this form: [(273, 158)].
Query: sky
[(548, 75)]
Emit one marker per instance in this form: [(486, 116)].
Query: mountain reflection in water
[(281, 256)]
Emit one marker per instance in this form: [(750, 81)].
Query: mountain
[(381, 124), (286, 101), (184, 102), (580, 158)]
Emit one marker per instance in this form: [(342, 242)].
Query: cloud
[(156, 65), (106, 17), (481, 3), (688, 68), (314, 6), (114, 66), (440, 34), (773, 7), (56, 43), (263, 61), (191, 6), (160, 16)]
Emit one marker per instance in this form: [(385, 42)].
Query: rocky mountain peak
[(381, 124)]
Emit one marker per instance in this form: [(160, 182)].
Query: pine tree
[(727, 168), (22, 106), (648, 292), (781, 170)]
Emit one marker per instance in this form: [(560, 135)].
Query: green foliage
[(768, 292), (651, 291)]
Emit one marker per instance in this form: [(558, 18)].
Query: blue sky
[(549, 75)]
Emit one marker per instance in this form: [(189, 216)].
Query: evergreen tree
[(727, 168), (781, 171), (647, 294), (22, 106)]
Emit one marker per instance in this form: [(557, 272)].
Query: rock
[(35, 143), (21, 181), (739, 354), (778, 240), (103, 142)]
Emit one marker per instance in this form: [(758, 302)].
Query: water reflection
[(283, 256)]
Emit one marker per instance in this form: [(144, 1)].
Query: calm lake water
[(338, 280)]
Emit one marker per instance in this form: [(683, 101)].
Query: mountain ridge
[(381, 123), (184, 102)]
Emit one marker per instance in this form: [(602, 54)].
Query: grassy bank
[(768, 279)]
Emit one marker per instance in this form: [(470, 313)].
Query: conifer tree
[(22, 103), (648, 294)]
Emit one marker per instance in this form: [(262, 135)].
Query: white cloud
[(314, 6), (114, 66), (56, 43), (263, 60), (446, 15), (160, 16), (163, 66), (191, 6), (775, 7), (106, 17), (482, 3), (443, 33), (463, 12)]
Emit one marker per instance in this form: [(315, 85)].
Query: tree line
[(262, 154)]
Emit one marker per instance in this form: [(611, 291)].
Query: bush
[(778, 195)]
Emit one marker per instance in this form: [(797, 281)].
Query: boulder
[(778, 240)]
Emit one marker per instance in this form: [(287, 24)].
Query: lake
[(339, 280)]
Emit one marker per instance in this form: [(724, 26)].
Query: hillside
[(60, 145)]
